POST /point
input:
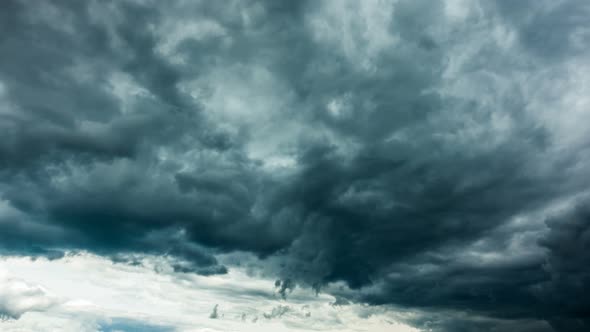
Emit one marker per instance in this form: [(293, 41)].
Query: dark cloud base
[(400, 184)]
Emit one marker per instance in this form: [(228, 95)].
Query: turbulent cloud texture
[(428, 155)]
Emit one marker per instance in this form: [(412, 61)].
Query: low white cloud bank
[(103, 296), (18, 297)]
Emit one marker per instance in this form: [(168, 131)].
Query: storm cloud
[(427, 155)]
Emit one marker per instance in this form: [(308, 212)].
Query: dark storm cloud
[(337, 141), (528, 292), (566, 264), (554, 31)]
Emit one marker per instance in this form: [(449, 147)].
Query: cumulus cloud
[(387, 152), (111, 297), (18, 297)]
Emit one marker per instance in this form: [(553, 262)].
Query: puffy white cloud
[(18, 297), (101, 294)]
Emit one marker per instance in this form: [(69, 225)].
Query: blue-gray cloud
[(376, 143)]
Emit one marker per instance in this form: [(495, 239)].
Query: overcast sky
[(344, 165)]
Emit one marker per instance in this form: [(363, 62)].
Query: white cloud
[(18, 297), (99, 292)]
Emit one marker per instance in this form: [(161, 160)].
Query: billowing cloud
[(18, 297), (425, 155), (148, 297)]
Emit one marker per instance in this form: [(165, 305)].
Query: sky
[(275, 165)]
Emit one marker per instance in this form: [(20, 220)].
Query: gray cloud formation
[(349, 141)]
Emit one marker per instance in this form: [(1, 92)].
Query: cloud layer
[(119, 297), (425, 155)]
